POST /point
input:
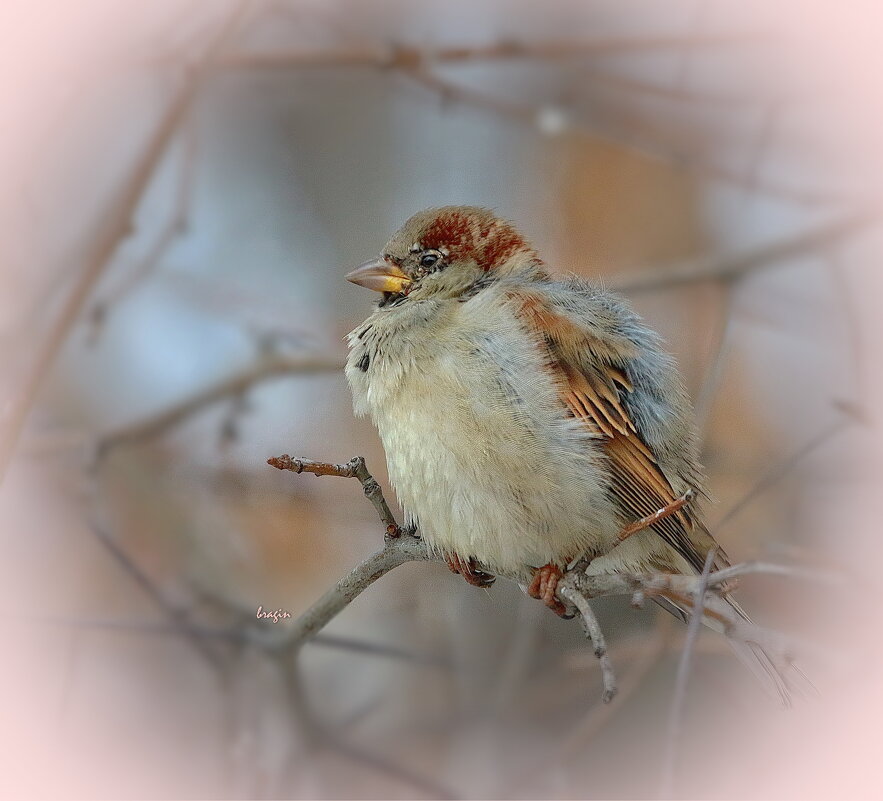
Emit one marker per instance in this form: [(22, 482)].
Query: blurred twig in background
[(270, 366), (115, 227)]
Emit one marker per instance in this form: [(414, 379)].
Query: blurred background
[(185, 185)]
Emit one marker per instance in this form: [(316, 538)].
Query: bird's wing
[(593, 390), (591, 373)]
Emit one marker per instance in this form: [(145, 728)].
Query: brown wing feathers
[(593, 394)]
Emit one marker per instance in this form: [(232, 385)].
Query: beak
[(381, 276)]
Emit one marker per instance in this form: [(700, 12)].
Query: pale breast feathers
[(478, 444)]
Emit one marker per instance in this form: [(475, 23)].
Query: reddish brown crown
[(475, 234)]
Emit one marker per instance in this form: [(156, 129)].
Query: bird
[(529, 421)]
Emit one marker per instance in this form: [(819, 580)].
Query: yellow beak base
[(381, 276)]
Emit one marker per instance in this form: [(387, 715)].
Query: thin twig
[(316, 735), (640, 667), (115, 226), (304, 723), (593, 631), (518, 656), (676, 715), (780, 470), (677, 94), (578, 741), (380, 650), (176, 617), (494, 51), (770, 121), (716, 363), (354, 468), (731, 267), (755, 567), (396, 552), (266, 368), (452, 91), (139, 627), (236, 633), (850, 316), (429, 787), (660, 514), (175, 225), (721, 334)]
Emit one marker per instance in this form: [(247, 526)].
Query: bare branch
[(496, 51), (642, 657), (236, 633), (716, 362), (451, 91), (115, 227), (354, 468), (409, 547), (417, 63), (660, 514), (750, 568), (596, 47), (176, 617), (576, 587), (676, 715), (729, 268), (778, 471), (593, 631), (395, 552), (174, 226), (268, 367)]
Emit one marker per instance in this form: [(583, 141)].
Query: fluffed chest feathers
[(451, 367), (393, 347), (477, 446)]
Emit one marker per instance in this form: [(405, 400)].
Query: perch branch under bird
[(703, 594)]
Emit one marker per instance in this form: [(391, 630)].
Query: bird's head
[(448, 252)]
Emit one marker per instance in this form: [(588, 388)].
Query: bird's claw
[(467, 569), (543, 587)]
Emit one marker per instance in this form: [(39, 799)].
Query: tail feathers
[(762, 665), (775, 674), (672, 608), (778, 674), (759, 661)]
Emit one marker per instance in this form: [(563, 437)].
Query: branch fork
[(702, 594), (354, 468)]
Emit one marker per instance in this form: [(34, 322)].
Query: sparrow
[(528, 421)]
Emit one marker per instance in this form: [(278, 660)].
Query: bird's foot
[(545, 582), (467, 569)]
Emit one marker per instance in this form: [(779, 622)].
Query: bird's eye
[(428, 260)]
